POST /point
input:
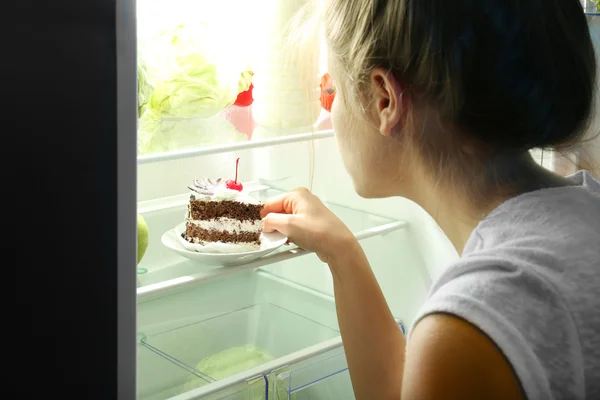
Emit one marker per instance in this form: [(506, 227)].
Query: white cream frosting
[(228, 225), (218, 247), (217, 190)]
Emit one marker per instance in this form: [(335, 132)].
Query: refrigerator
[(267, 329)]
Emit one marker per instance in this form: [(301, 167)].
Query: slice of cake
[(222, 218)]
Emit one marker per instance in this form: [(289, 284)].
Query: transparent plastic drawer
[(159, 378), (324, 377), (253, 389), (221, 346)]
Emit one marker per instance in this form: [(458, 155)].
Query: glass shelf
[(230, 147), (168, 271)]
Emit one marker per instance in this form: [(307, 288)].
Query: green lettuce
[(144, 85), (189, 83), (182, 89), (192, 89)]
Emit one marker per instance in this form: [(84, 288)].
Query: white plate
[(219, 254)]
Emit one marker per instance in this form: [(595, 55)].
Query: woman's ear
[(388, 101)]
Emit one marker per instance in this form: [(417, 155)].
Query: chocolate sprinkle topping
[(206, 187)]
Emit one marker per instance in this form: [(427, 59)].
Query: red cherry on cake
[(235, 185)]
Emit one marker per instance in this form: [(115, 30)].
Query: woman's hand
[(305, 220)]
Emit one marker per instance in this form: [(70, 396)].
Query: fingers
[(301, 190), (274, 205), (284, 203), (278, 222)]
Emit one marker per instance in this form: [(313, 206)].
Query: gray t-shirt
[(529, 277)]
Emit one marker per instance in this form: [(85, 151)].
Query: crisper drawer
[(232, 333), (217, 347), (159, 378), (323, 377)]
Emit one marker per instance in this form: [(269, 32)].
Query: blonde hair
[(503, 76), (302, 37)]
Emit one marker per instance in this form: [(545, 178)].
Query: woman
[(440, 102)]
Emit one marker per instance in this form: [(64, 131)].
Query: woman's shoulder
[(535, 303), (547, 241), (558, 220)]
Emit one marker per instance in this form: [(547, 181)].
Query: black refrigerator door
[(70, 175)]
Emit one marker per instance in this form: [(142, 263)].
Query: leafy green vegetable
[(145, 88), (192, 89), (182, 88), (189, 83)]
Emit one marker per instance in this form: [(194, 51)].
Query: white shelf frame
[(261, 370), (164, 288), (230, 147)]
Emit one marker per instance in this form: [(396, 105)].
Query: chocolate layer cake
[(222, 220)]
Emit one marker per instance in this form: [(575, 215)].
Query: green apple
[(142, 237)]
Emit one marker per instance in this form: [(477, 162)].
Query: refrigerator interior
[(267, 329)]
